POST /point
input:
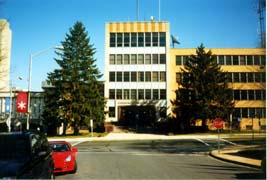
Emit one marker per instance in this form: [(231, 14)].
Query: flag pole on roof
[(174, 40)]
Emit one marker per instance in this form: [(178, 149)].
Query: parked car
[(25, 155), (64, 155)]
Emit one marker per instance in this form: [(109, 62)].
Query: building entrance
[(137, 115)]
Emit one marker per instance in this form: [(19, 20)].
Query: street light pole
[(30, 78)]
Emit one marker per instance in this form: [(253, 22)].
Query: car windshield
[(60, 147), (14, 148)]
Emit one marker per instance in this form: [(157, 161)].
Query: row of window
[(249, 95), (139, 94), (230, 60), (238, 77), (139, 39), (137, 59), (249, 112), (140, 76)]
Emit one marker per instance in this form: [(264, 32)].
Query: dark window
[(229, 77), (133, 39), (155, 39), (242, 60), (178, 77), (112, 76), (263, 77), (179, 60), (111, 111), (162, 93), (126, 76), (155, 76), (133, 94), (133, 77), (148, 76), (112, 94), (235, 60), (221, 60), (155, 59), (148, 94), (258, 94), (250, 77), (119, 93), (236, 77), (228, 60), (126, 59), (119, 76), (155, 94), (256, 60), (126, 94), (244, 95), (126, 39), (236, 95), (257, 77), (162, 59), (251, 95), (162, 39), (185, 59), (243, 77), (263, 60), (112, 40), (140, 39), (244, 112), (119, 39), (140, 93), (249, 60), (148, 39), (141, 76), (162, 76)]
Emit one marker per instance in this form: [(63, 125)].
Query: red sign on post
[(218, 123)]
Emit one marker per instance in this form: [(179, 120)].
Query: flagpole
[(29, 94)]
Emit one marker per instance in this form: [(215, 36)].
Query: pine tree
[(77, 80), (204, 92)]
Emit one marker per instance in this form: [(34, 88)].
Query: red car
[(64, 156)]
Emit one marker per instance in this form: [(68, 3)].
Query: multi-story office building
[(245, 68), (136, 56), (142, 75), (5, 49)]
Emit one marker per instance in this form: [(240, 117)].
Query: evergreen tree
[(77, 81), (203, 92)]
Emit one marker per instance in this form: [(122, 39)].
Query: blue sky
[(39, 24)]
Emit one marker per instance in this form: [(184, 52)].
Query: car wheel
[(75, 167)]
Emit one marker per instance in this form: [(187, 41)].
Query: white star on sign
[(21, 105)]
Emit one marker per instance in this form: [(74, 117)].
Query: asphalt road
[(155, 159)]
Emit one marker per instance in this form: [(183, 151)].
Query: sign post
[(218, 123), (92, 125)]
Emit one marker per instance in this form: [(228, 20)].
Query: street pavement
[(225, 154)]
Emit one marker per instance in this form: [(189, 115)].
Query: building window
[(148, 59), (242, 60), (148, 39), (228, 60), (112, 76), (263, 77), (244, 112), (244, 95), (221, 60), (162, 39), (140, 39), (112, 41), (148, 76), (133, 40), (148, 94), (162, 93), (126, 59), (258, 94), (155, 76), (112, 59), (162, 76), (236, 77), (126, 39), (140, 76), (140, 93), (250, 77), (126, 76), (243, 77), (140, 58), (263, 60), (119, 76), (178, 77), (133, 94), (236, 95), (162, 58), (257, 77), (155, 39), (111, 111), (178, 60), (119, 39), (119, 59), (133, 77), (133, 59), (155, 58), (112, 94), (126, 94), (249, 60), (235, 60), (256, 60), (185, 59), (155, 94), (251, 95)]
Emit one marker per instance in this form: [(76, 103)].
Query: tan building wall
[(258, 123), (5, 51)]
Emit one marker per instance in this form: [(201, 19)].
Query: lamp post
[(30, 77)]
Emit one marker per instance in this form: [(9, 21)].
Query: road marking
[(79, 142), (200, 140), (228, 141)]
